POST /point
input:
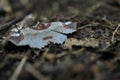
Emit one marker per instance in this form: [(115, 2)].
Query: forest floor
[(98, 25)]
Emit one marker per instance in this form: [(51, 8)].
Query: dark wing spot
[(48, 37), (41, 26), (21, 37)]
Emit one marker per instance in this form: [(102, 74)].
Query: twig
[(115, 31), (29, 68), (12, 22), (106, 47), (20, 67), (85, 26), (107, 21)]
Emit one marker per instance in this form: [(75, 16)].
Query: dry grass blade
[(20, 66), (114, 32), (29, 68), (19, 69), (85, 26)]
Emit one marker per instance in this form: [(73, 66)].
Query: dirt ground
[(98, 25)]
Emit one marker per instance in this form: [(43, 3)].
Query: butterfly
[(41, 34)]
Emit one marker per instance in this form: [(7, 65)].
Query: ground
[(98, 26)]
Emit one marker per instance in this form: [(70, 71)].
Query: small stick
[(85, 26), (107, 21), (115, 31), (30, 68), (12, 22), (20, 67)]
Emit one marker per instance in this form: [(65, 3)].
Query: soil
[(96, 19)]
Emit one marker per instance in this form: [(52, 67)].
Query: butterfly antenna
[(16, 26)]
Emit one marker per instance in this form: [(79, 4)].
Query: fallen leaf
[(89, 42)]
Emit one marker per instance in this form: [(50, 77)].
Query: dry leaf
[(89, 42)]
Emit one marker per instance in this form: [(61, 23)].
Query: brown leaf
[(89, 42)]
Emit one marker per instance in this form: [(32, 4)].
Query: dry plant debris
[(89, 42)]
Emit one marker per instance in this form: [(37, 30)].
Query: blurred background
[(81, 62), (61, 9)]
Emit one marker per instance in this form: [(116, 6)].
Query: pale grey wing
[(14, 37), (67, 27), (57, 37), (26, 22), (33, 42), (39, 39), (14, 40), (33, 38)]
